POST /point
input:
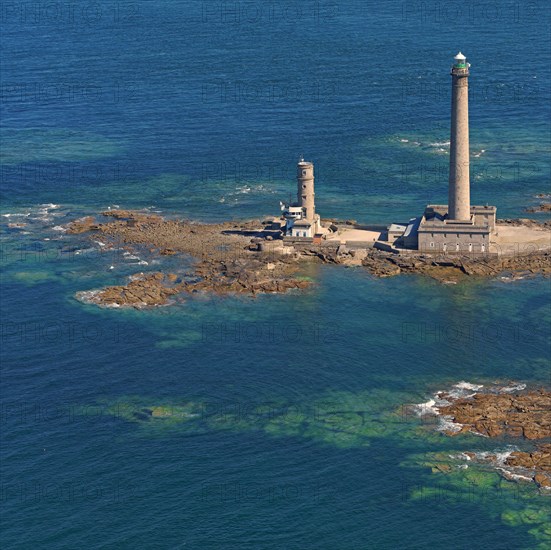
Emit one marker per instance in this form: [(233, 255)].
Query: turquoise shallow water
[(281, 419)]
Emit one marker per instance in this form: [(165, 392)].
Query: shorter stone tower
[(305, 189), (301, 220)]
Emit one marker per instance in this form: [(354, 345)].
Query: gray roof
[(303, 222)]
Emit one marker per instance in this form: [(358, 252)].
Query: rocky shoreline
[(227, 262), (452, 269), (248, 258)]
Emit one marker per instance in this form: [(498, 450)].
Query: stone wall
[(432, 240)]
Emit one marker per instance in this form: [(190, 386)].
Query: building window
[(432, 245)]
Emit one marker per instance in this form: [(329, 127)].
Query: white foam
[(511, 475), (468, 386), (84, 250), (446, 424), (423, 409), (16, 215), (440, 144), (518, 387), (474, 432), (501, 456), (59, 228), (87, 296), (464, 389)]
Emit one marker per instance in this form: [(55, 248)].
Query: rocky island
[(250, 257), (447, 242)]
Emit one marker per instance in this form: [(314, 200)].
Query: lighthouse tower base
[(438, 234)]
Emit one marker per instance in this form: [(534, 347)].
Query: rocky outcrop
[(228, 262), (143, 290), (246, 276), (455, 268), (133, 216), (543, 207), (505, 412), (241, 276), (527, 222), (539, 460), (381, 264), (82, 225), (528, 466), (525, 415)]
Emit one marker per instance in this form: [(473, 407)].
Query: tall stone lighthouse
[(456, 227), (459, 201)]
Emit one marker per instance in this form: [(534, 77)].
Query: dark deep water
[(282, 429)]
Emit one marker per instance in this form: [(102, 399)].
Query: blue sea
[(282, 421)]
